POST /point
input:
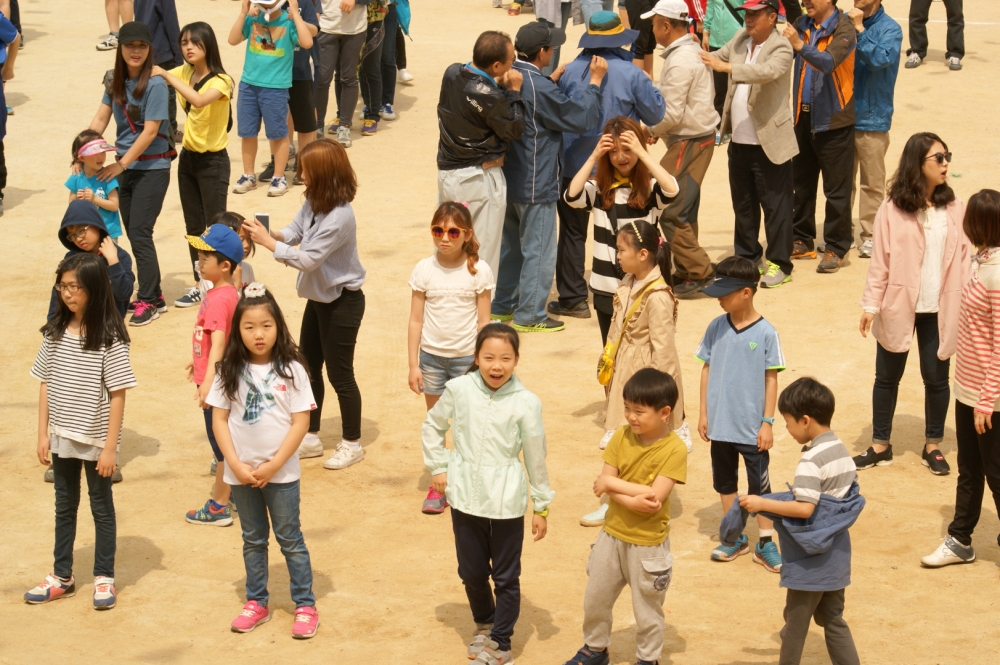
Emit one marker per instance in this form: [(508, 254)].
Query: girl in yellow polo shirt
[(204, 89)]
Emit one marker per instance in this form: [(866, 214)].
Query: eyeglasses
[(453, 233), (78, 235), (940, 157), (70, 288)]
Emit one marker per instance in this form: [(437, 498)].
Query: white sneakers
[(948, 552), (605, 439), (595, 518), (684, 432), (344, 457), (311, 446), (404, 75)]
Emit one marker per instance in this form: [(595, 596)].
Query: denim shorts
[(255, 103), (438, 371)]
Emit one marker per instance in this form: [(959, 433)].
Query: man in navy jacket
[(160, 16), (532, 170), (876, 63)]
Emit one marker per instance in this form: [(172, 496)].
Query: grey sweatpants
[(647, 570), (485, 193), (338, 53), (827, 608)]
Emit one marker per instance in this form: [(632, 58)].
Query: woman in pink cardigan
[(920, 262)]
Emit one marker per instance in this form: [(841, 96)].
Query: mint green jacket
[(719, 22), (489, 431)]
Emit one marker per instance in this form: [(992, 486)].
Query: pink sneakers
[(252, 616), (306, 622), (435, 503)]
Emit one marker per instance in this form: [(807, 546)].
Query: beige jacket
[(770, 80), (648, 342), (688, 91)]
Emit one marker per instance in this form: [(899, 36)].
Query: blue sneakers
[(729, 552), (210, 515), (768, 556), (588, 656)]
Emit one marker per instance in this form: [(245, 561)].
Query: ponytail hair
[(645, 236), (458, 214)]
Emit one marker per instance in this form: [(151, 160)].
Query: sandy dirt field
[(385, 575)]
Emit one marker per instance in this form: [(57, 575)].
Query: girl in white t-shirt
[(450, 304), (261, 399)]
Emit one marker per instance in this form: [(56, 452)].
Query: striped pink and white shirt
[(977, 362)]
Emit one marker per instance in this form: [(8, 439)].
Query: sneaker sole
[(828, 271), (250, 629), (100, 608), (739, 553), (774, 286), (948, 563), (276, 193), (532, 329), (427, 510), (135, 324), (68, 594), (306, 636), (341, 468), (584, 522), (808, 255), (885, 462), (182, 305), (769, 568), (931, 469), (226, 522), (310, 455), (576, 314), (501, 318)]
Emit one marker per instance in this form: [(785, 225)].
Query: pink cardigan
[(894, 277)]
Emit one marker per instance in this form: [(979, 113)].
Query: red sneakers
[(306, 622), (252, 616)]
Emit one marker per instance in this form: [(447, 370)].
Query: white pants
[(485, 192)]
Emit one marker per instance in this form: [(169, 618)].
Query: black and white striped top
[(604, 274), (79, 386)]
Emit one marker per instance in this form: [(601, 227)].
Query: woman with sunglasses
[(321, 243), (138, 102), (920, 263), (450, 305)]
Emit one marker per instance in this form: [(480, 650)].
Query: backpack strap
[(732, 10), (197, 88)]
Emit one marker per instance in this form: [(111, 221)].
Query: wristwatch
[(769, 421)]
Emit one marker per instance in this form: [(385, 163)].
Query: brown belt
[(493, 162)]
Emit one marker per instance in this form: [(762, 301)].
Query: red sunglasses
[(453, 233)]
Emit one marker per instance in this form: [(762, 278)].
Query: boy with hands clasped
[(642, 463)]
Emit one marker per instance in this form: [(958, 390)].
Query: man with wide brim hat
[(626, 91)]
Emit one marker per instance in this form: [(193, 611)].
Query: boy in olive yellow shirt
[(642, 463)]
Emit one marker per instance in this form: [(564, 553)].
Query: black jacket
[(476, 118)]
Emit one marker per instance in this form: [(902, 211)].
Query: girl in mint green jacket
[(494, 419)]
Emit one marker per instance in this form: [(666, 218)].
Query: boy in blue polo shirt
[(271, 33), (739, 389)]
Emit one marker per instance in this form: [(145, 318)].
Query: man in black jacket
[(480, 112)]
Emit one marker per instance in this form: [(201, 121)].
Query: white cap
[(675, 9)]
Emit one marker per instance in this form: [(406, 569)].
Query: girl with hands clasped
[(450, 304), (84, 369), (493, 420), (629, 186), (261, 402)]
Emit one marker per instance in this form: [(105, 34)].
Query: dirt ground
[(385, 575)]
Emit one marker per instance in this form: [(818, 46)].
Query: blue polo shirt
[(151, 106)]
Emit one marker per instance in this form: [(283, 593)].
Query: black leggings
[(329, 335), (140, 199), (203, 184), (978, 466)]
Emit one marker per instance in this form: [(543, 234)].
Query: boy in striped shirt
[(825, 474)]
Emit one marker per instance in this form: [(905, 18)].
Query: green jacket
[(719, 22), (489, 431)]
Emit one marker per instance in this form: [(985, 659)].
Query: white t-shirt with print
[(451, 320), (258, 441)]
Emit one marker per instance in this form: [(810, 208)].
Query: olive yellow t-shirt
[(641, 464), (205, 128)]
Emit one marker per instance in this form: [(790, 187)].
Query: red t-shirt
[(215, 313)]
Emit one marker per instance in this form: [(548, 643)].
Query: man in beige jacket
[(758, 60), (688, 126)]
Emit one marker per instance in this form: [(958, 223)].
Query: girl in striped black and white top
[(630, 186), (84, 369)]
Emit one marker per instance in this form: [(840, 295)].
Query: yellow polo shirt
[(205, 128)]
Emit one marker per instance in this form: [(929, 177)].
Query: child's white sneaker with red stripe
[(51, 589)]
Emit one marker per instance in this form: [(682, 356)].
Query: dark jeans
[(3, 166), (571, 251), (338, 54), (171, 96), (827, 608), (140, 199), (216, 451), (400, 49), (280, 502), (329, 335), (919, 10), (889, 368), (203, 186), (832, 154), (370, 77), (978, 465), (721, 81), (102, 507), (757, 183), (391, 23), (490, 548)]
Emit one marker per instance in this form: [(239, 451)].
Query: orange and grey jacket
[(829, 53)]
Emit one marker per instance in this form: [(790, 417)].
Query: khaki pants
[(687, 160), (647, 570), (869, 158), (485, 192)]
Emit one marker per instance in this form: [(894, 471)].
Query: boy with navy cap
[(739, 389), (220, 250)]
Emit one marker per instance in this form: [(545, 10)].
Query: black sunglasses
[(940, 157)]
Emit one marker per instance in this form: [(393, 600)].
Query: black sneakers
[(935, 461), (870, 458), (580, 310)]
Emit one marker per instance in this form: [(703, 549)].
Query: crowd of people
[(528, 147)]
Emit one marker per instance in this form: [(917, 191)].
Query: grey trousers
[(827, 608), (647, 570), (338, 53), (485, 194)]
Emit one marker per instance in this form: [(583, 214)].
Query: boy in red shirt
[(220, 250)]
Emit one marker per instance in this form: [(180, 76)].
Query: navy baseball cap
[(723, 286), (222, 239)]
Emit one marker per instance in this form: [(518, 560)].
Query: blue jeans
[(591, 7), (566, 8), (527, 261), (280, 501), (254, 104), (438, 370)]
